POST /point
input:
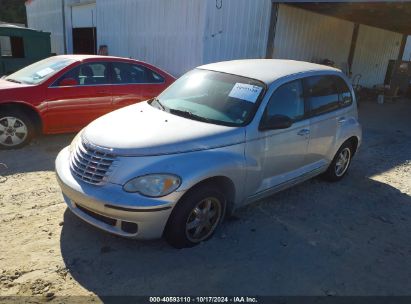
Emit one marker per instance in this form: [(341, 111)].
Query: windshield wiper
[(188, 114), (159, 103), (13, 80)]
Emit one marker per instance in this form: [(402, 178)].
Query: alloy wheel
[(13, 131), (203, 219), (343, 161)]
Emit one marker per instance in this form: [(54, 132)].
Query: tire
[(16, 129), (338, 167), (191, 211)]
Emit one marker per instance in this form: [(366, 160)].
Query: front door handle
[(303, 132)]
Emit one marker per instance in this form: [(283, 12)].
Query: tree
[(13, 11)]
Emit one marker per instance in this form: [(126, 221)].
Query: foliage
[(13, 11)]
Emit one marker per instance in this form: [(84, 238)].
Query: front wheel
[(16, 130), (195, 218), (340, 164)]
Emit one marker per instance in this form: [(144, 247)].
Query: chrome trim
[(91, 165), (137, 209), (86, 141), (105, 84), (287, 184), (121, 153), (52, 86)]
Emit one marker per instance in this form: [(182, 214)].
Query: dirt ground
[(346, 238)]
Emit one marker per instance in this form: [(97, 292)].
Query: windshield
[(212, 97), (40, 70)]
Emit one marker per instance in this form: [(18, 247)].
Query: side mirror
[(68, 82), (276, 122)]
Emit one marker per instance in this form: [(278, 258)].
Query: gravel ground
[(346, 238)]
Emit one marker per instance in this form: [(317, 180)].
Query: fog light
[(129, 227)]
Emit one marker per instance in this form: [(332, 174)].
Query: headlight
[(153, 185), (74, 142)]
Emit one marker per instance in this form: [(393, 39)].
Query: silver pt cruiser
[(222, 136)]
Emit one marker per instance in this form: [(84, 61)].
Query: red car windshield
[(40, 71)]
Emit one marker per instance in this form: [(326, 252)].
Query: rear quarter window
[(321, 94), (326, 93), (345, 96), (126, 73)]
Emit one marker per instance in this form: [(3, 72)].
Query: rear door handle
[(103, 92), (303, 132), (342, 120)]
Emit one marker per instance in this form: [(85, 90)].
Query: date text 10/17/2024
[(203, 300)]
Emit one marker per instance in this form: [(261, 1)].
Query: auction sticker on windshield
[(45, 72), (245, 92)]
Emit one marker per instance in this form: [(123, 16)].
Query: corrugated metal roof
[(308, 36), (177, 35), (12, 25)]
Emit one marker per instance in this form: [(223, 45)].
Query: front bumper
[(110, 208)]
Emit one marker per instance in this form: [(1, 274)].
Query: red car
[(64, 93)]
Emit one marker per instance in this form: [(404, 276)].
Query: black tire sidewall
[(26, 120), (175, 232), (330, 173)]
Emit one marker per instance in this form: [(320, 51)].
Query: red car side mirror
[(67, 82)]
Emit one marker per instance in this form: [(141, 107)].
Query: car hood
[(143, 130), (4, 84)]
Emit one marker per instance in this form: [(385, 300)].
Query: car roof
[(84, 57), (266, 70)]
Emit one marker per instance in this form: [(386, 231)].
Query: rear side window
[(126, 73), (93, 73), (345, 96), (321, 93), (287, 100)]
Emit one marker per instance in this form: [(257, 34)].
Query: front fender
[(10, 103), (192, 167)]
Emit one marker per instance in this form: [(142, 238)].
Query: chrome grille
[(91, 164)]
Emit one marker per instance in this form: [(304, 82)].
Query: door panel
[(323, 131), (277, 156), (124, 95), (133, 83), (325, 95), (283, 154), (70, 108)]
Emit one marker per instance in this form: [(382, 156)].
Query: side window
[(93, 73), (345, 97), (11, 46), (287, 100), (125, 73), (321, 94)]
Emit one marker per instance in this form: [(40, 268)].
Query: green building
[(20, 46)]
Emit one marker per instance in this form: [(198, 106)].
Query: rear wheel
[(195, 218), (16, 130), (340, 164)]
